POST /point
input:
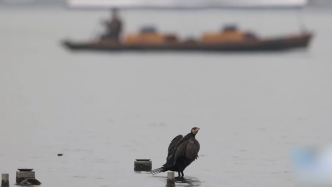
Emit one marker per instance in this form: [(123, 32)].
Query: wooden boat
[(229, 40)]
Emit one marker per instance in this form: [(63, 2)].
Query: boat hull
[(273, 44)]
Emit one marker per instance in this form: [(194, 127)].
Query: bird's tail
[(158, 170)]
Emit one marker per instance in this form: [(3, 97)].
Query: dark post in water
[(5, 180), (26, 176), (143, 165)]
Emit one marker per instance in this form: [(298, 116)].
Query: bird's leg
[(179, 174), (182, 173)]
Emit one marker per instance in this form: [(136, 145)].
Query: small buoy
[(60, 154), (143, 165)]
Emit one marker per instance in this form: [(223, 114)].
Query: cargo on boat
[(228, 40)]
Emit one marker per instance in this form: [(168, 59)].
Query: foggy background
[(104, 110)]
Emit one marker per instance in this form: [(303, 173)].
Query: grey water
[(104, 110)]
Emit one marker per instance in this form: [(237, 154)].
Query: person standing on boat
[(114, 27)]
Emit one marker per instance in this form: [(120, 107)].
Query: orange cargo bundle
[(233, 36), (145, 38)]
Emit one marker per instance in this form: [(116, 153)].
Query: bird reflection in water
[(186, 181), (189, 181)]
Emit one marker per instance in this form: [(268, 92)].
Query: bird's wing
[(173, 144), (180, 149), (192, 149)]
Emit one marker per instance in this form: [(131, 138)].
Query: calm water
[(103, 110)]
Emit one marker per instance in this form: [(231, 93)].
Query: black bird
[(182, 151)]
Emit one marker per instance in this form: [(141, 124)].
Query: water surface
[(102, 111)]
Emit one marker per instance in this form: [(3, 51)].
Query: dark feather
[(173, 144), (188, 147), (156, 171), (192, 149), (182, 151)]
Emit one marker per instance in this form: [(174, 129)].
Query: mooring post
[(142, 165), (170, 179), (5, 180)]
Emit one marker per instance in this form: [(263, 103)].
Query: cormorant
[(182, 151)]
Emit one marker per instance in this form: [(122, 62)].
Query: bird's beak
[(198, 129)]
